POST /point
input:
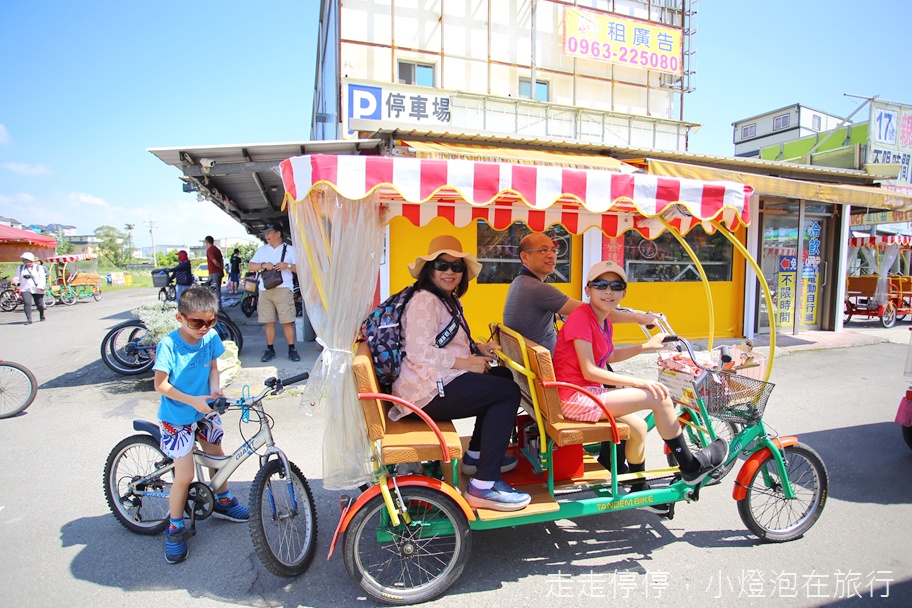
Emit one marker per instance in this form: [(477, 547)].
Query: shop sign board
[(391, 103), (881, 217), (629, 42), (890, 138)]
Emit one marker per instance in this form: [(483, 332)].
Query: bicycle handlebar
[(274, 385)]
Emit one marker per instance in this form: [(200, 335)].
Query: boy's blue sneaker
[(176, 549), (233, 511), (470, 465), (499, 498)]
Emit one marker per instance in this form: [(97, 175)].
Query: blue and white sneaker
[(501, 497), (470, 465), (233, 511)]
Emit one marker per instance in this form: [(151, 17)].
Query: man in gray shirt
[(531, 303)]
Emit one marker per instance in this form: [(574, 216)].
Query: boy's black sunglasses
[(443, 265), (602, 285)]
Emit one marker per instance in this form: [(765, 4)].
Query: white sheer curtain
[(852, 263), (340, 243), (883, 267)]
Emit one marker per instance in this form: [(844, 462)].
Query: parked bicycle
[(125, 349), (283, 518), (168, 291), (18, 388), (10, 298), (250, 300)]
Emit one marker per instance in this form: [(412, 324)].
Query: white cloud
[(4, 135), (88, 199), (27, 169)]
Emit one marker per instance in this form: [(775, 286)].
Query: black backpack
[(383, 334)]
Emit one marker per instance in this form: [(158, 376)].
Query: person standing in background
[(216, 268), (182, 274), (276, 304), (32, 282), (234, 272)]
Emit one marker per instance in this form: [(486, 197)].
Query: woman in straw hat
[(447, 375)]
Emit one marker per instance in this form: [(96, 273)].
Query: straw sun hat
[(445, 244)]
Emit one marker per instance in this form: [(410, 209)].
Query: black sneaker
[(269, 355), (659, 509), (293, 354), (710, 458)]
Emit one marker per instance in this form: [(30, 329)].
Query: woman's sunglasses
[(194, 323), (443, 266), (602, 285)]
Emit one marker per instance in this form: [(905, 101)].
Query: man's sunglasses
[(543, 250), (602, 285), (443, 265), (194, 323)]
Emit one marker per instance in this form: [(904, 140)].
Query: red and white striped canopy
[(880, 241), (463, 191), (72, 257)]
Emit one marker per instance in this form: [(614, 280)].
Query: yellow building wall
[(684, 303)]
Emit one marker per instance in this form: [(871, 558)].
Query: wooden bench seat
[(537, 358), (409, 439)]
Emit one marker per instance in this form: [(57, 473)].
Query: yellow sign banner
[(880, 217), (620, 40)]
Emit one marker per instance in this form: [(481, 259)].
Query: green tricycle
[(407, 536), (73, 281)]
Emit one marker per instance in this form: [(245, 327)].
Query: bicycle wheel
[(907, 435), (231, 328), (8, 300), (888, 319), (284, 532), (249, 305), (122, 351), (138, 457), (96, 293), (768, 513), (724, 430), (412, 562), (68, 296), (18, 388), (49, 300)]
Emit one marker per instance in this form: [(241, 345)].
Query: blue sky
[(87, 87)]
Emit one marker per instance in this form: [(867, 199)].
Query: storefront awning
[(844, 194), (503, 193), (529, 156), (14, 242), (71, 257), (881, 241)]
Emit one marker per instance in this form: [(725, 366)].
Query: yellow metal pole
[(693, 258)]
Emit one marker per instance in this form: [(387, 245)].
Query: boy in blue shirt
[(187, 376)]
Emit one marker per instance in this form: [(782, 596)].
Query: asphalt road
[(62, 546)]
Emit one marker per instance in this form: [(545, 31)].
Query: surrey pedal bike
[(283, 519)]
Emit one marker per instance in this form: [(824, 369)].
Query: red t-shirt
[(581, 325), (214, 260)]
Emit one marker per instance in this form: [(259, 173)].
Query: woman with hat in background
[(448, 375), (182, 274), (32, 282)]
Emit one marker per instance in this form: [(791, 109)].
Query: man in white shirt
[(32, 283), (277, 302)]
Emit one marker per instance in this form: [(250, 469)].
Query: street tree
[(110, 245)]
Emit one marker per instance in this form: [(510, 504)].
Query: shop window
[(498, 251), (780, 122), (748, 131), (541, 89), (665, 261), (416, 73)]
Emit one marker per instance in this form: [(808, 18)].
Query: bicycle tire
[(285, 539), (8, 300), (249, 305), (888, 319), (49, 300), (724, 430), (229, 331), (134, 457), (234, 331), (907, 435), (118, 354), (96, 293), (68, 296), (765, 510), (416, 564), (18, 388)]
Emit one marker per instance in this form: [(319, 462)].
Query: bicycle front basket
[(734, 398)]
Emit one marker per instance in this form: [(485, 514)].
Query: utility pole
[(151, 226)]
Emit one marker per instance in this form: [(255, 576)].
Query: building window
[(815, 123), (665, 261), (498, 251), (748, 131), (541, 89), (780, 122), (416, 73)]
